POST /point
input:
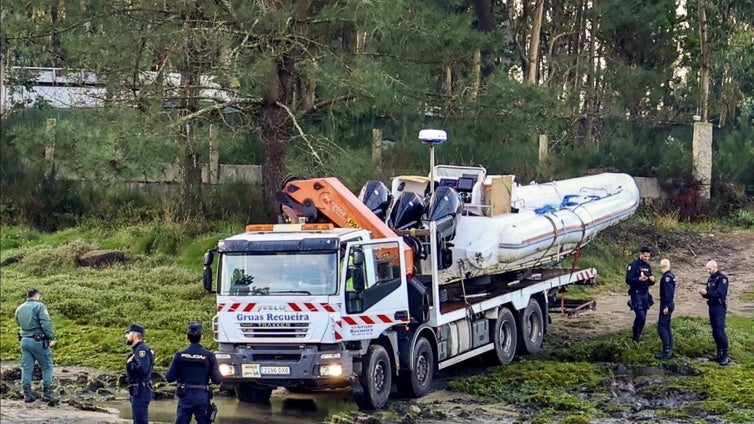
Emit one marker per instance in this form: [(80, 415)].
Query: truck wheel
[(418, 382), (531, 330), (248, 393), (376, 379), (504, 338)]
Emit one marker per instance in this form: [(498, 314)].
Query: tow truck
[(346, 294)]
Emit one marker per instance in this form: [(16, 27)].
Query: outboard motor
[(407, 211), (377, 197), (444, 207)]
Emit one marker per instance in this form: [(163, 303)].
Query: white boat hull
[(552, 221)]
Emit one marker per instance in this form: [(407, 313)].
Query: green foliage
[(734, 158), (545, 385), (91, 308)]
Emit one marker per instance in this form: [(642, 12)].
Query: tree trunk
[(533, 56), (191, 199), (704, 72), (275, 124)]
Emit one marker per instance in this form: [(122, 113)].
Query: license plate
[(276, 370), (256, 370)]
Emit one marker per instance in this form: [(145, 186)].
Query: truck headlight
[(331, 370), (227, 369)]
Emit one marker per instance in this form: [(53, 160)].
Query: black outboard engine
[(377, 197), (407, 212), (444, 207)]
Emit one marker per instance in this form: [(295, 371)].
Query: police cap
[(195, 328), (135, 328)]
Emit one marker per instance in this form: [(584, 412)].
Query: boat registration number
[(257, 370)]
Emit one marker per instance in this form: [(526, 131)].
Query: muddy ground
[(85, 392)]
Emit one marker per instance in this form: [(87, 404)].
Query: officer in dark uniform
[(667, 305), (36, 337), (715, 293), (139, 367), (639, 277), (193, 368)]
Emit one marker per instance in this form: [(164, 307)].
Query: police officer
[(715, 293), (36, 338), (639, 277), (139, 367), (193, 368), (667, 304)]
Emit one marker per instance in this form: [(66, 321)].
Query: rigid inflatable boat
[(489, 224)]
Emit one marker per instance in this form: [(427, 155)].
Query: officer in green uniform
[(37, 337)]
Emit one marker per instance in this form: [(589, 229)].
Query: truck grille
[(273, 330)]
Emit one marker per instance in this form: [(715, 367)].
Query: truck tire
[(417, 382), (504, 338), (376, 379), (249, 393), (532, 328)]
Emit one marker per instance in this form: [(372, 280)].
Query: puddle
[(285, 408)]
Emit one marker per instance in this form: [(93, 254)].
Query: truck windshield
[(242, 274)]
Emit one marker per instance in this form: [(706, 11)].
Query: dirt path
[(733, 252)]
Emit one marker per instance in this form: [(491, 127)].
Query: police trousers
[(663, 329), (717, 321), (641, 303), (34, 350), (195, 403), (141, 395)]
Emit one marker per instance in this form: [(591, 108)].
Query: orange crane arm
[(330, 198)]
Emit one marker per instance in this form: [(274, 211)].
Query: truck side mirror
[(209, 257), (207, 277), (357, 274), (358, 258)]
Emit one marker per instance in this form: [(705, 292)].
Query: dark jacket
[(717, 289), (633, 272), (194, 365), (140, 369), (667, 290)]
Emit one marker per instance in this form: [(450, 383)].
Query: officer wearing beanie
[(193, 368), (139, 374)]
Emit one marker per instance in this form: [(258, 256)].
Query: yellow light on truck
[(288, 228), (317, 227), (260, 227)]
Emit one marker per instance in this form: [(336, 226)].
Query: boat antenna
[(431, 138)]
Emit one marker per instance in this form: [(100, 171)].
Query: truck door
[(374, 284)]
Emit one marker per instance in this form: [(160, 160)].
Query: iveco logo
[(271, 307)]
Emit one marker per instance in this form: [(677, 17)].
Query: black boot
[(666, 353), (29, 395), (47, 396), (636, 336), (725, 359), (717, 356)]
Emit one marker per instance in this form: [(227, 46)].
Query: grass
[(159, 287)]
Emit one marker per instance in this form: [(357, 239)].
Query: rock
[(101, 258), (10, 261), (414, 409)]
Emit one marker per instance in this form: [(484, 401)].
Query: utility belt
[(716, 302), (183, 388), (38, 337), (136, 387)]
